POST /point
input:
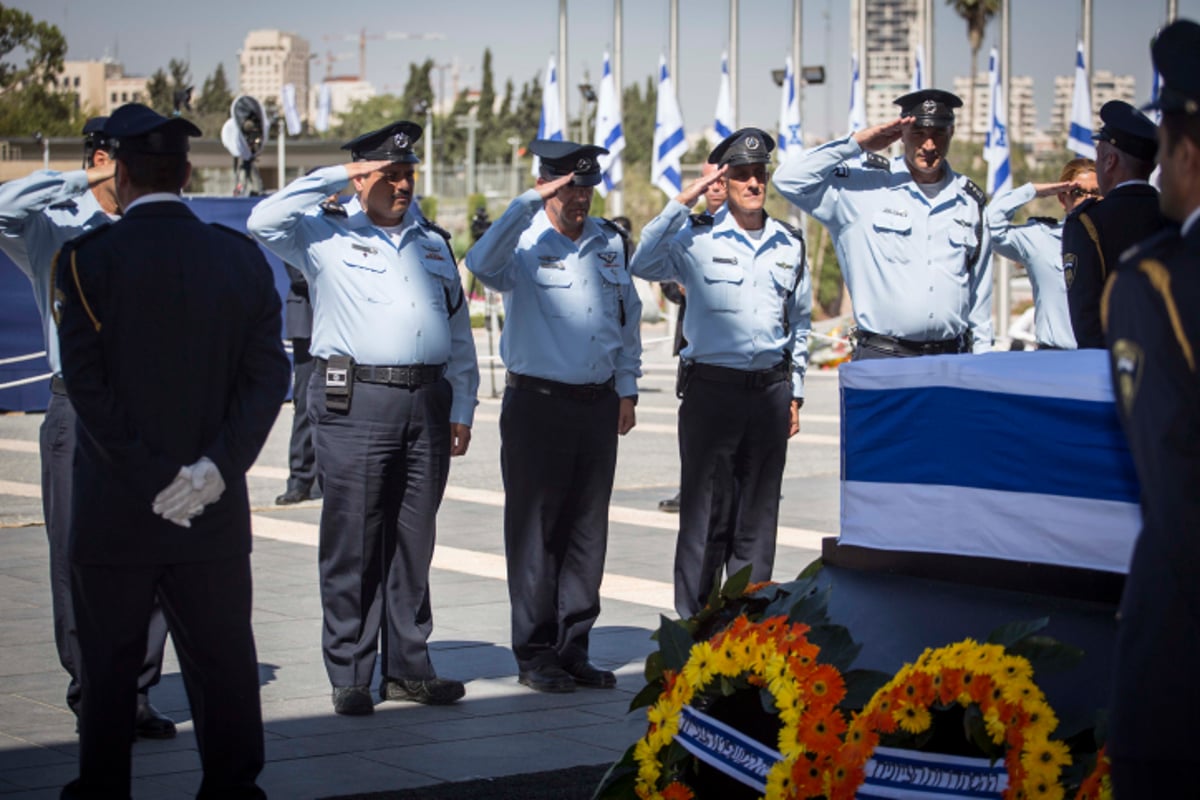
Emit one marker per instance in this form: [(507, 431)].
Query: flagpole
[(562, 65), (673, 45), (1172, 10), (1004, 266), (797, 47), (617, 196), (1087, 41), (734, 63), (928, 42)]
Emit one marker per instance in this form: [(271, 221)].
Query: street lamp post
[(589, 98)]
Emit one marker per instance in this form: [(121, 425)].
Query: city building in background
[(101, 86), (344, 91), (893, 34), (1022, 113), (269, 59), (1105, 86)]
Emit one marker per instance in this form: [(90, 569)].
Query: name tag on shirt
[(717, 260)]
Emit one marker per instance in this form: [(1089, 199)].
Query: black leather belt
[(573, 391), (58, 385), (1049, 347), (756, 379), (909, 347), (408, 376)]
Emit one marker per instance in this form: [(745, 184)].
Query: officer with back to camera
[(392, 400), (749, 310), (572, 346), (38, 214), (1099, 231), (908, 231)]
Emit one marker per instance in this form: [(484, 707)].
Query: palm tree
[(976, 13)]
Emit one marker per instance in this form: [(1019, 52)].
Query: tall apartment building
[(1022, 113), (1105, 86), (892, 34), (344, 91), (268, 60), (102, 86)]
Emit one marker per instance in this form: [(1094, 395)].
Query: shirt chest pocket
[(723, 286), (367, 273), (963, 243), (893, 236), (614, 282), (444, 283), (553, 289)]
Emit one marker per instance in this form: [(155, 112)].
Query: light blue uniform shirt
[(38, 215), (562, 298), (373, 300), (738, 289), (1038, 246), (904, 255)]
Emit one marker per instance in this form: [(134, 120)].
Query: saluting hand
[(692, 193), (1051, 189), (548, 189), (882, 136), (361, 169)]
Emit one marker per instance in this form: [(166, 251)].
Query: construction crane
[(362, 37)]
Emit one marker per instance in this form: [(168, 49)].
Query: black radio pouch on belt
[(339, 383)]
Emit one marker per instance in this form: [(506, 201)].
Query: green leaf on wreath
[(1047, 654), (675, 753), (675, 643), (654, 667), (812, 569), (1008, 635), (735, 587), (861, 685), (768, 702), (647, 696), (813, 608), (620, 779), (787, 596), (976, 730), (727, 687), (837, 648)]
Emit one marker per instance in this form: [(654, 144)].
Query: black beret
[(743, 146), (135, 128), (932, 108), (392, 143), (563, 158), (1176, 56), (1128, 130)]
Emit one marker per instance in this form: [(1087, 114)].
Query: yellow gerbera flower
[(698, 670)]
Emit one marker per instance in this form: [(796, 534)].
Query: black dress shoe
[(150, 723), (549, 678), (292, 496), (353, 701), (430, 691), (587, 674), (670, 505)]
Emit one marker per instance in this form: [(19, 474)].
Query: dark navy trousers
[(732, 450), (302, 456), (558, 456), (383, 467), (57, 446)]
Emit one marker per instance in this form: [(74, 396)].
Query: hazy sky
[(145, 34)]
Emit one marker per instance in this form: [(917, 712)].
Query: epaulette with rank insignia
[(1084, 206), (842, 170), (1152, 246), (976, 194), (66, 257), (63, 205), (626, 239), (333, 208), (876, 161), (702, 220), (1048, 221), (972, 188), (442, 232), (792, 229)]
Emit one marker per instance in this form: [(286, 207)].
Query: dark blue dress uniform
[(391, 326), (1152, 309), (1098, 232), (750, 306), (38, 214), (302, 454), (169, 332), (572, 347)]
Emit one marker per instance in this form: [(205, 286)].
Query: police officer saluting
[(392, 400), (1153, 333), (749, 307), (572, 347), (38, 214), (1099, 231), (909, 232)]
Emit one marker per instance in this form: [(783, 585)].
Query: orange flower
[(773, 627), (677, 791), (858, 745), (979, 688), (918, 688), (808, 777), (825, 685), (751, 588), (820, 729), (952, 685)]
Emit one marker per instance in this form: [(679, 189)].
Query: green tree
[(181, 81), (977, 13), (158, 92), (418, 92), (369, 115), (29, 100), (637, 120), (487, 90), (215, 96)]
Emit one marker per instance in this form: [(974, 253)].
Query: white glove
[(195, 487), (207, 483)]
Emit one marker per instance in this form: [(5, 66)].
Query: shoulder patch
[(232, 231), (84, 238), (626, 239), (701, 220), (63, 205), (1153, 246), (1048, 221), (972, 188), (332, 208), (876, 161), (841, 170), (438, 229)]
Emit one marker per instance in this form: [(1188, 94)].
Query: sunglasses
[(1077, 192)]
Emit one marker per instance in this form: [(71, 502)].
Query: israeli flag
[(290, 114), (918, 79), (1079, 139), (791, 142), (669, 141), (858, 106), (1155, 88), (995, 147), (550, 126), (723, 122), (609, 134), (324, 106)]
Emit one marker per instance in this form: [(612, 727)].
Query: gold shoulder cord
[(82, 298), (1160, 279), (1095, 236)]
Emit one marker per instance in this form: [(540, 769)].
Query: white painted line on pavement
[(19, 445), (15, 489)]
